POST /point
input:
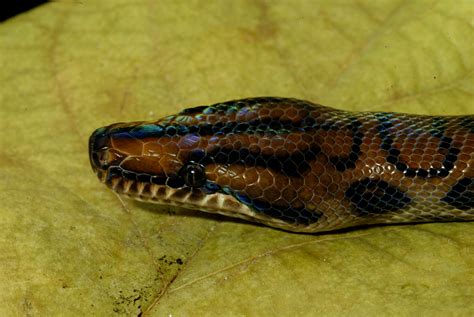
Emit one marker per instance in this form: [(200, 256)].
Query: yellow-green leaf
[(69, 246)]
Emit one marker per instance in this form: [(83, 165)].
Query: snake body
[(295, 165)]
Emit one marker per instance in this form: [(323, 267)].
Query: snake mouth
[(184, 197), (147, 191)]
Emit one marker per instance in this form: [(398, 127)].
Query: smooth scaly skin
[(295, 165)]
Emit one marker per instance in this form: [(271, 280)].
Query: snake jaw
[(189, 198)]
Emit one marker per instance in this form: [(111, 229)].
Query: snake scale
[(295, 165)]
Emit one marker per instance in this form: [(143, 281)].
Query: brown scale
[(295, 165)]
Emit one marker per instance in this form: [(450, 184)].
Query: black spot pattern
[(461, 195), (371, 196)]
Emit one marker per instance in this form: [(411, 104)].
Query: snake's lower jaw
[(188, 198)]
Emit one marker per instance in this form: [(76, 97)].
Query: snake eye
[(194, 175)]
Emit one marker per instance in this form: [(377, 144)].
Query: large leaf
[(68, 245)]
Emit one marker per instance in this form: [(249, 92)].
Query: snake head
[(233, 158), (165, 162)]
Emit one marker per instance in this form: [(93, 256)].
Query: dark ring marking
[(461, 195), (373, 196), (394, 153)]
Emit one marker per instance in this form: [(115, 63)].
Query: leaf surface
[(68, 245)]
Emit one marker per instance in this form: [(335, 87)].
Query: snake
[(294, 165)]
